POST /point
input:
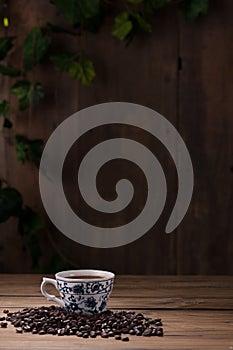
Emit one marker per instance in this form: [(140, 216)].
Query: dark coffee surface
[(86, 277)]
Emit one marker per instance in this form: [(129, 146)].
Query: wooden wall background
[(195, 95)]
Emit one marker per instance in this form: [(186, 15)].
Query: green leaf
[(76, 66), (27, 149), (6, 44), (142, 24), (83, 70), (37, 94), (28, 94), (35, 46), (194, 8), (10, 203), (29, 222), (7, 123), (22, 90), (56, 29), (150, 6), (21, 146), (62, 61), (76, 11), (9, 70), (4, 107), (122, 26)]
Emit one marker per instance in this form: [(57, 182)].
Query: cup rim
[(64, 275)]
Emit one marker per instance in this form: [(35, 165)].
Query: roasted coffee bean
[(159, 333), (19, 330), (125, 339), (56, 320), (118, 337), (104, 335), (147, 332), (4, 324), (79, 334), (5, 311)]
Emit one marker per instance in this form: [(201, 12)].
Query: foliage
[(127, 24), (29, 223), (28, 149), (78, 11), (9, 70), (6, 43), (4, 108), (28, 94), (194, 8), (150, 6), (77, 67), (10, 203), (35, 47)]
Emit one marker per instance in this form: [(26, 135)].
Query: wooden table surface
[(197, 312)]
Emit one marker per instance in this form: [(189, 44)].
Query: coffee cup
[(81, 291)]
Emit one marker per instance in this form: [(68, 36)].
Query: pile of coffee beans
[(56, 320)]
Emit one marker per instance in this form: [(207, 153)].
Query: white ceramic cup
[(81, 295)]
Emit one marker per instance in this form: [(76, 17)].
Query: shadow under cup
[(81, 291)]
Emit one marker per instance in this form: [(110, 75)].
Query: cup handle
[(47, 295)]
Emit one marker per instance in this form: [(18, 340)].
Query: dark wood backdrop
[(183, 71)]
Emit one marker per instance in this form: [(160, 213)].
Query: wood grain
[(205, 240), (183, 328)]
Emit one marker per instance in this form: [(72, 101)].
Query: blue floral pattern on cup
[(85, 297)]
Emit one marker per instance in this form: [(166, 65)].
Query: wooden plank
[(143, 73), (184, 292), (182, 329), (124, 302), (205, 121)]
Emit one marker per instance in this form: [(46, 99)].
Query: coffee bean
[(125, 339), (104, 335), (159, 333), (56, 320), (118, 337), (3, 324), (19, 330), (147, 332), (79, 334), (5, 311)]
